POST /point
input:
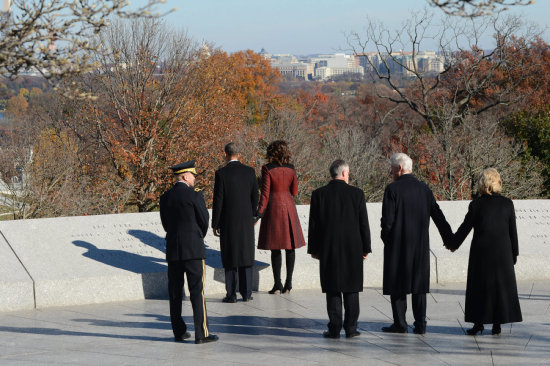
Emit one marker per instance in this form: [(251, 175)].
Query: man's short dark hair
[(337, 167), (231, 149)]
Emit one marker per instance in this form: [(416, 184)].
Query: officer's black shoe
[(210, 338), (418, 330), (328, 334), (245, 299), (229, 299), (353, 334), (182, 337), (394, 329)]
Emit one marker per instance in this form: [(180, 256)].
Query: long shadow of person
[(213, 257), (151, 269)]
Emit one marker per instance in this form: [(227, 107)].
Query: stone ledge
[(16, 286), (96, 259)]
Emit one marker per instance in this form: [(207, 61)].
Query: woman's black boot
[(477, 328)]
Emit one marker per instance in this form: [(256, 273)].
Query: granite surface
[(274, 330), (105, 258), (16, 286)]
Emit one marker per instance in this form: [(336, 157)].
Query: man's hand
[(216, 232), (314, 256), (365, 255)]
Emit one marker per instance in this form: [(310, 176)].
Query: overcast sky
[(299, 26)]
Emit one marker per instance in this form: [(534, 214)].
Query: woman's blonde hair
[(489, 182)]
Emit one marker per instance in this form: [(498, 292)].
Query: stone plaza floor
[(274, 330)]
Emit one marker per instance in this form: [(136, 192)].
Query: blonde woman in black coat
[(491, 290)]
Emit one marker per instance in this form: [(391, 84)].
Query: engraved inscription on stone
[(533, 224), (145, 238)]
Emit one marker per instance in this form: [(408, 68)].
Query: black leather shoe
[(353, 334), (182, 337), (394, 329), (417, 330), (245, 299), (229, 300), (496, 329), (210, 338), (328, 334)]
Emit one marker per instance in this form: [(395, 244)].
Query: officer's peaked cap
[(188, 166)]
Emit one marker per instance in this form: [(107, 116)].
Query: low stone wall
[(98, 259)]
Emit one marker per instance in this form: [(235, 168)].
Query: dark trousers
[(399, 308), (242, 276), (334, 309), (194, 268)]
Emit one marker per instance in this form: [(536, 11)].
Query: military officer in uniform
[(185, 219)]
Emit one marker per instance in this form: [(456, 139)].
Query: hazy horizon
[(304, 27)]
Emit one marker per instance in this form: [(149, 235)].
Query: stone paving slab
[(274, 330)]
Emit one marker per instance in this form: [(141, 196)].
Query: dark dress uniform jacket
[(185, 219), (406, 210), (235, 203), (339, 234), (491, 290), (280, 227)]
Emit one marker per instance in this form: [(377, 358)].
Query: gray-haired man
[(406, 210), (339, 237)]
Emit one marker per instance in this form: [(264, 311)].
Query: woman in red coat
[(280, 227)]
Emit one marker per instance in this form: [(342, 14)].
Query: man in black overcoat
[(185, 219), (406, 210), (339, 236), (235, 202)]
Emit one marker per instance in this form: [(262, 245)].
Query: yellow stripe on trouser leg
[(204, 324)]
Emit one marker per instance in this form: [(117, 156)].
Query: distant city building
[(430, 62), (324, 73), (338, 60), (288, 65), (283, 59), (323, 67), (264, 53), (327, 66), (369, 61), (295, 69), (402, 63)]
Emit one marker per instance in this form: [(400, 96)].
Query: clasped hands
[(449, 247)]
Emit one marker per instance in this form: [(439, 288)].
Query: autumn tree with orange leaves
[(161, 99), (141, 95), (472, 82)]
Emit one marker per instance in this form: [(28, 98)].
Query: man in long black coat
[(406, 210), (339, 236), (235, 202), (185, 219)]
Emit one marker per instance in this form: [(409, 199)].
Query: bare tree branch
[(475, 8), (55, 37)]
